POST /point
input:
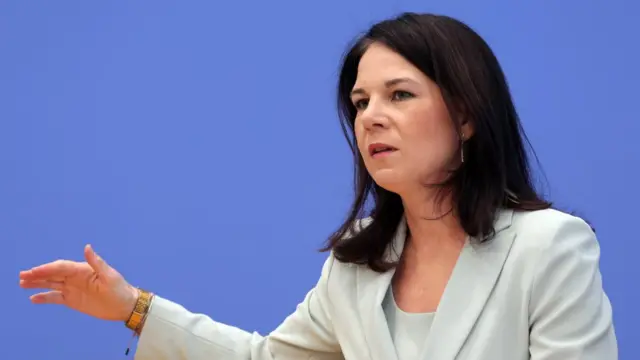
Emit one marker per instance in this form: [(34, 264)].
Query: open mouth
[(376, 150)]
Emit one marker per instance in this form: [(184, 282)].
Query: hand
[(92, 287)]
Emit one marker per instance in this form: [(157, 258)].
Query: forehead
[(380, 64)]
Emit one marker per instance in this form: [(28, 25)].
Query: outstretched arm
[(172, 332)]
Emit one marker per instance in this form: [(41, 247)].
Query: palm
[(91, 287)]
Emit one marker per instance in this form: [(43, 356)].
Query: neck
[(432, 223)]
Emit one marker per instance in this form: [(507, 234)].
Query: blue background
[(196, 145)]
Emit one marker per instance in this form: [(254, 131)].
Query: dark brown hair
[(495, 173)]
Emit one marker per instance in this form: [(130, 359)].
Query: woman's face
[(403, 129)]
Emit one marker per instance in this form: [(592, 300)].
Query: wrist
[(141, 308), (131, 299)]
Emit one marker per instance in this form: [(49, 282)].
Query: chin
[(388, 180)]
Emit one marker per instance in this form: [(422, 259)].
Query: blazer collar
[(462, 302), (371, 289), (472, 281)]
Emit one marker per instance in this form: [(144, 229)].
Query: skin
[(397, 105), (91, 287)]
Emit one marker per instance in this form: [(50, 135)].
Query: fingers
[(95, 261), (54, 271), (42, 284), (49, 297)]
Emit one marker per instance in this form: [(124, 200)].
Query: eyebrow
[(388, 84)]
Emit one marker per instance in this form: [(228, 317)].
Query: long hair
[(495, 173)]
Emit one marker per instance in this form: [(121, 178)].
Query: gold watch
[(140, 310)]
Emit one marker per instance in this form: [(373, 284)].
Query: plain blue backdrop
[(196, 145)]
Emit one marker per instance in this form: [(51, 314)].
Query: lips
[(380, 149)]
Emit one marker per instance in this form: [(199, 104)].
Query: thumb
[(95, 261)]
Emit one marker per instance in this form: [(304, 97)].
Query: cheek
[(359, 135), (433, 137)]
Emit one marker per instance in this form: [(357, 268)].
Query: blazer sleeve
[(172, 332), (570, 315)]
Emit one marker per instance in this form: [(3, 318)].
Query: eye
[(401, 95), (361, 104)]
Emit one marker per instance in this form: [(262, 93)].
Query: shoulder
[(547, 221), (548, 228), (546, 236)]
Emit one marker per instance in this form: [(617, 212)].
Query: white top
[(409, 331)]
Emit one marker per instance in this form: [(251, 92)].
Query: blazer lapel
[(371, 289), (467, 291)]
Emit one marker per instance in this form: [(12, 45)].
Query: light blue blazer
[(533, 292)]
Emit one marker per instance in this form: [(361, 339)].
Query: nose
[(374, 116)]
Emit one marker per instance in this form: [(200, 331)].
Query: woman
[(459, 257)]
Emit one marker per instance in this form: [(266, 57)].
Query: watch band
[(140, 310)]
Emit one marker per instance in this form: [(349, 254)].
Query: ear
[(466, 125), (467, 130)]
